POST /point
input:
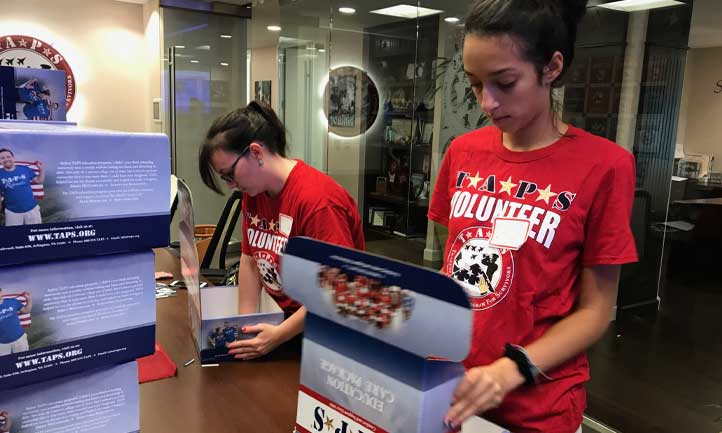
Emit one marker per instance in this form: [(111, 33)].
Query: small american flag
[(38, 190), (25, 320)]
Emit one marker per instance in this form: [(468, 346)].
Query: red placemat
[(155, 366)]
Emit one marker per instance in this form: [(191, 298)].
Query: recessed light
[(224, 64), (180, 46), (226, 36), (451, 20), (195, 61), (274, 28), (406, 11), (639, 5), (321, 50), (347, 11)]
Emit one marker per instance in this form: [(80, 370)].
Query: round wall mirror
[(351, 101)]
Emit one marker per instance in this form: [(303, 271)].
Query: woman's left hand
[(482, 388), (268, 338)]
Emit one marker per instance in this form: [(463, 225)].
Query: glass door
[(205, 77)]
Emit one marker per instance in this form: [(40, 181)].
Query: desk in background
[(252, 396)]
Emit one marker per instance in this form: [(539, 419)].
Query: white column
[(632, 77)]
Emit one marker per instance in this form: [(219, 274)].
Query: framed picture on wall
[(342, 99), (601, 70), (220, 91), (262, 91), (618, 69), (574, 98), (578, 70), (612, 127), (597, 125), (599, 100)]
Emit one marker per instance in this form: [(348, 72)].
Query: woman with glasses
[(282, 198)]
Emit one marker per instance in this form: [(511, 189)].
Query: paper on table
[(480, 425)]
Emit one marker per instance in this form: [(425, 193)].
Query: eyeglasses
[(229, 176)]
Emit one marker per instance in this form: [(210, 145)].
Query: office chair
[(222, 235), (174, 196)]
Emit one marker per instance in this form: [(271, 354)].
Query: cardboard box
[(213, 310), (102, 192), (372, 327), (84, 314), (104, 400)]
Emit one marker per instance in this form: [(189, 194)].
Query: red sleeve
[(608, 235), (329, 224), (440, 201), (245, 246)]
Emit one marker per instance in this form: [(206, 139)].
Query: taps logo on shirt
[(485, 272), (4, 312), (268, 270), (12, 182), (269, 238)]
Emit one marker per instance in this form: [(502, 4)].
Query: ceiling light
[(640, 5), (224, 64), (406, 11), (195, 61), (274, 28), (321, 50), (451, 20), (347, 11), (203, 47), (226, 36), (180, 46)]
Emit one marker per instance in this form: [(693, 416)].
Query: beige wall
[(264, 66), (706, 30), (704, 107), (153, 52), (346, 156), (104, 43)]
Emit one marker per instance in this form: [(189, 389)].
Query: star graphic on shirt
[(47, 51), (474, 180), (272, 225), (255, 220), (23, 43), (545, 194), (507, 186), (329, 423)]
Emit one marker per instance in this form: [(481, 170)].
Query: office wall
[(104, 43), (153, 52), (703, 133), (264, 66), (346, 155)]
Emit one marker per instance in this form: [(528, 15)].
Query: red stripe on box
[(300, 429), (342, 410)]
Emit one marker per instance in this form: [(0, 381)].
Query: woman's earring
[(260, 163)]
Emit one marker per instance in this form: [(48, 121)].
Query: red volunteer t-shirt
[(576, 195), (310, 204)]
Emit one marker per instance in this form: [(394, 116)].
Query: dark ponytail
[(235, 131), (541, 26)]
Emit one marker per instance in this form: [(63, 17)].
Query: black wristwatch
[(523, 363)]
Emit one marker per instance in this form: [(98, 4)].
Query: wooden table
[(250, 396)]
